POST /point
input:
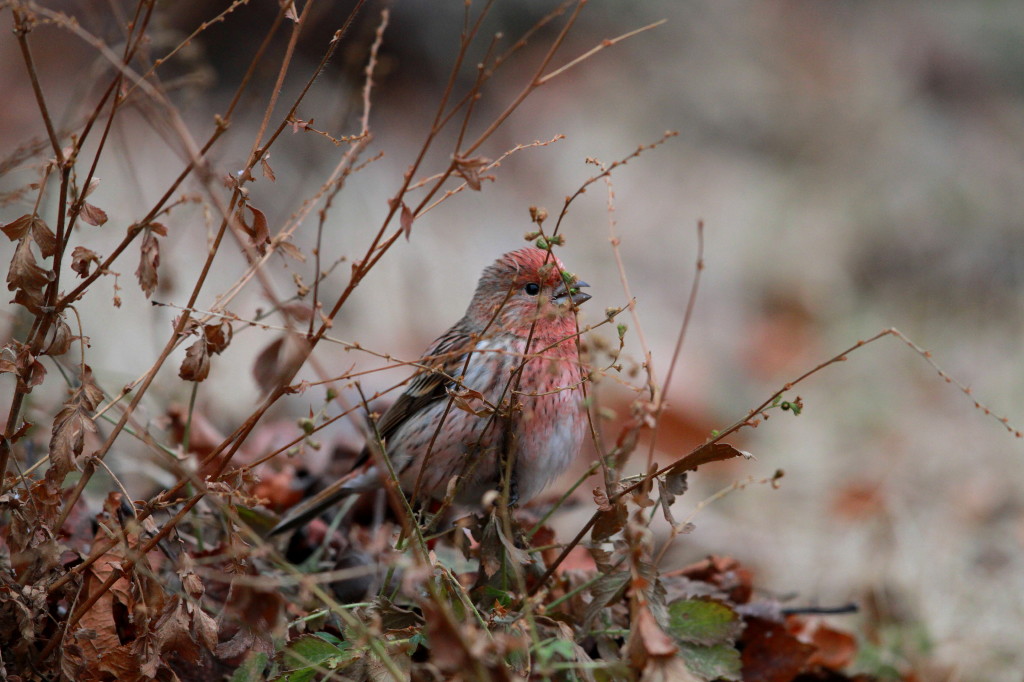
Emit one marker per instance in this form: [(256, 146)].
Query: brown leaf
[(218, 336), (647, 639), (30, 371), (712, 452), (289, 249), (609, 522), (725, 573), (196, 365), (279, 361), (26, 276), (258, 232), (835, 649), (174, 631), (93, 184), (71, 425), (149, 259), (303, 312), (44, 238), (60, 343), (268, 172), (17, 228), (470, 169), (406, 219), (259, 613), (770, 654), (93, 214), (81, 259)]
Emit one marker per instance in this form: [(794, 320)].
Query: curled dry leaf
[(17, 228), (711, 452), (406, 218), (196, 365), (35, 226), (610, 521), (93, 215), (268, 172), (26, 278), (835, 649), (28, 368), (646, 638), (149, 258), (61, 340), (82, 259), (213, 339), (70, 426), (279, 361), (184, 629), (470, 169), (303, 312), (290, 250), (258, 232), (218, 336)]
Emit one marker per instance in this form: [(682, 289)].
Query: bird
[(506, 380)]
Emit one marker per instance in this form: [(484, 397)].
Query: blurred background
[(857, 166)]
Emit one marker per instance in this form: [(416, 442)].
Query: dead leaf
[(770, 654), (647, 639), (406, 219), (81, 259), (30, 371), (725, 573), (258, 232), (711, 452), (35, 226), (268, 172), (196, 365), (71, 425), (279, 361), (292, 251), (218, 336), (149, 259), (302, 312), (93, 215), (25, 276), (609, 522), (61, 340), (17, 228), (834, 649), (470, 169), (174, 631)]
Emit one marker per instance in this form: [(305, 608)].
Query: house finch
[(504, 381)]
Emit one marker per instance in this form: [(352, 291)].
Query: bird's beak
[(578, 297)]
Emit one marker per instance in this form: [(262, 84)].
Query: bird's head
[(525, 289)]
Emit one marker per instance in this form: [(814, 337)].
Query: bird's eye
[(532, 289)]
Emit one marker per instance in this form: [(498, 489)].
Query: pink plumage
[(505, 378)]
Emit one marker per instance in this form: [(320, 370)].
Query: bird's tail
[(314, 506)]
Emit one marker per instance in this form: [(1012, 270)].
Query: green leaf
[(259, 520), (252, 668), (720, 661), (549, 649), (703, 621), (307, 655)]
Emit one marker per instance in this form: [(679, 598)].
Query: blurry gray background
[(857, 165)]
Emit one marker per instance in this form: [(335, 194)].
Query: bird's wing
[(428, 386), (425, 388)]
